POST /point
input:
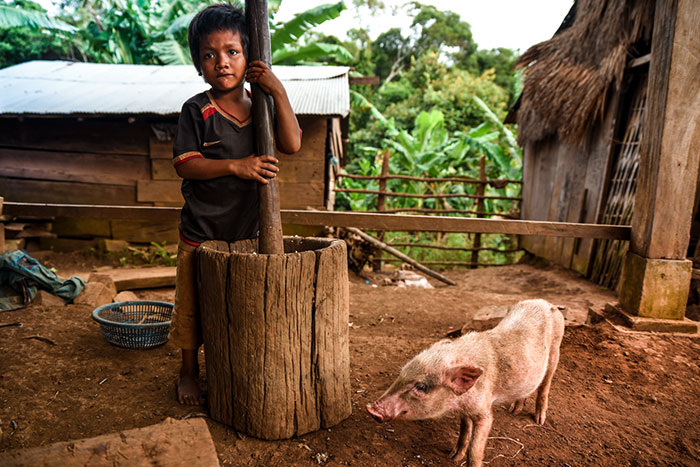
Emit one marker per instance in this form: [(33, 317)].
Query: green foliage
[(27, 14), (28, 33), (432, 150), (283, 34), (153, 255), (155, 31), (502, 62), (18, 45), (447, 88), (442, 30)]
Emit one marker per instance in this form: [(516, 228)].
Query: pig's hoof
[(456, 455), (517, 406), (540, 418)]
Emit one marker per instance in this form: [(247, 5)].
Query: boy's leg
[(185, 329), (188, 390)]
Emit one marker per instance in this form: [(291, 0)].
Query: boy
[(213, 151)]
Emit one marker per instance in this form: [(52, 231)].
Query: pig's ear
[(460, 379)]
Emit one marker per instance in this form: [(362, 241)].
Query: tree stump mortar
[(275, 331)]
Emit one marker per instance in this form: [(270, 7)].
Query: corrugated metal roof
[(59, 87)]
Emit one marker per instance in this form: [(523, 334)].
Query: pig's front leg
[(465, 435), (482, 428)]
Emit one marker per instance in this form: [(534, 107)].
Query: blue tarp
[(21, 276)]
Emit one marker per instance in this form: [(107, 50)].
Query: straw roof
[(569, 78)]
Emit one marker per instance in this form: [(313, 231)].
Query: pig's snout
[(384, 411), (375, 412)]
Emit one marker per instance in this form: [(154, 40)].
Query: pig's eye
[(422, 387)]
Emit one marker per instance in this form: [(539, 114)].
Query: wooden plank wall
[(301, 176), (72, 161), (563, 183)]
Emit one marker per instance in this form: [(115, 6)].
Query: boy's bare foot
[(188, 391)]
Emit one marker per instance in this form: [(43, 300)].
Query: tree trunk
[(276, 335)]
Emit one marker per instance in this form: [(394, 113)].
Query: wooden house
[(609, 119), (86, 133), (581, 121)]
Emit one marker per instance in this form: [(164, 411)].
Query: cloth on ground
[(21, 276)]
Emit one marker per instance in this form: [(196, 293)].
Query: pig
[(469, 375)]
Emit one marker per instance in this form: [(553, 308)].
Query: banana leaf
[(290, 32), (11, 17), (310, 52)]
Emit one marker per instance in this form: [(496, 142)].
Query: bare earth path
[(618, 399)]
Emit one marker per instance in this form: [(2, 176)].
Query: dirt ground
[(617, 399)]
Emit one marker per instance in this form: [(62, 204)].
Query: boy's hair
[(218, 17)]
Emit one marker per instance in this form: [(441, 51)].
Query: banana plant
[(284, 38), (13, 17)]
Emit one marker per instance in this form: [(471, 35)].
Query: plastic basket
[(138, 324)]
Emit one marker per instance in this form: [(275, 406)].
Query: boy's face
[(222, 61)]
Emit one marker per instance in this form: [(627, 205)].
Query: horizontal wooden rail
[(451, 248), (391, 222), (415, 195), (495, 182), (389, 259), (150, 213), (446, 211), (399, 223)]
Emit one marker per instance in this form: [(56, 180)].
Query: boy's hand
[(261, 169), (261, 75)]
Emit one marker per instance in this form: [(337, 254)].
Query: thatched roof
[(569, 77)]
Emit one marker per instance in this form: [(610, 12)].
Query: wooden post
[(656, 275), (2, 228), (276, 337), (381, 200), (269, 210), (479, 209)]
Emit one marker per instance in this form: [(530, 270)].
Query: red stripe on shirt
[(178, 161), (189, 242), (208, 113)]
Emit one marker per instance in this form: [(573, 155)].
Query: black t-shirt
[(224, 208)]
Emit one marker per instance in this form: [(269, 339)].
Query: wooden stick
[(269, 210), (399, 255)]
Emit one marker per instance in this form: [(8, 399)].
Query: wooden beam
[(393, 222), (172, 442), (366, 221), (92, 211), (140, 278), (401, 256), (371, 80), (670, 146), (656, 275)]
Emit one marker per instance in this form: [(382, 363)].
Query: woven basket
[(139, 324)]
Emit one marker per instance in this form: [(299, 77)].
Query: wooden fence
[(479, 212)]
